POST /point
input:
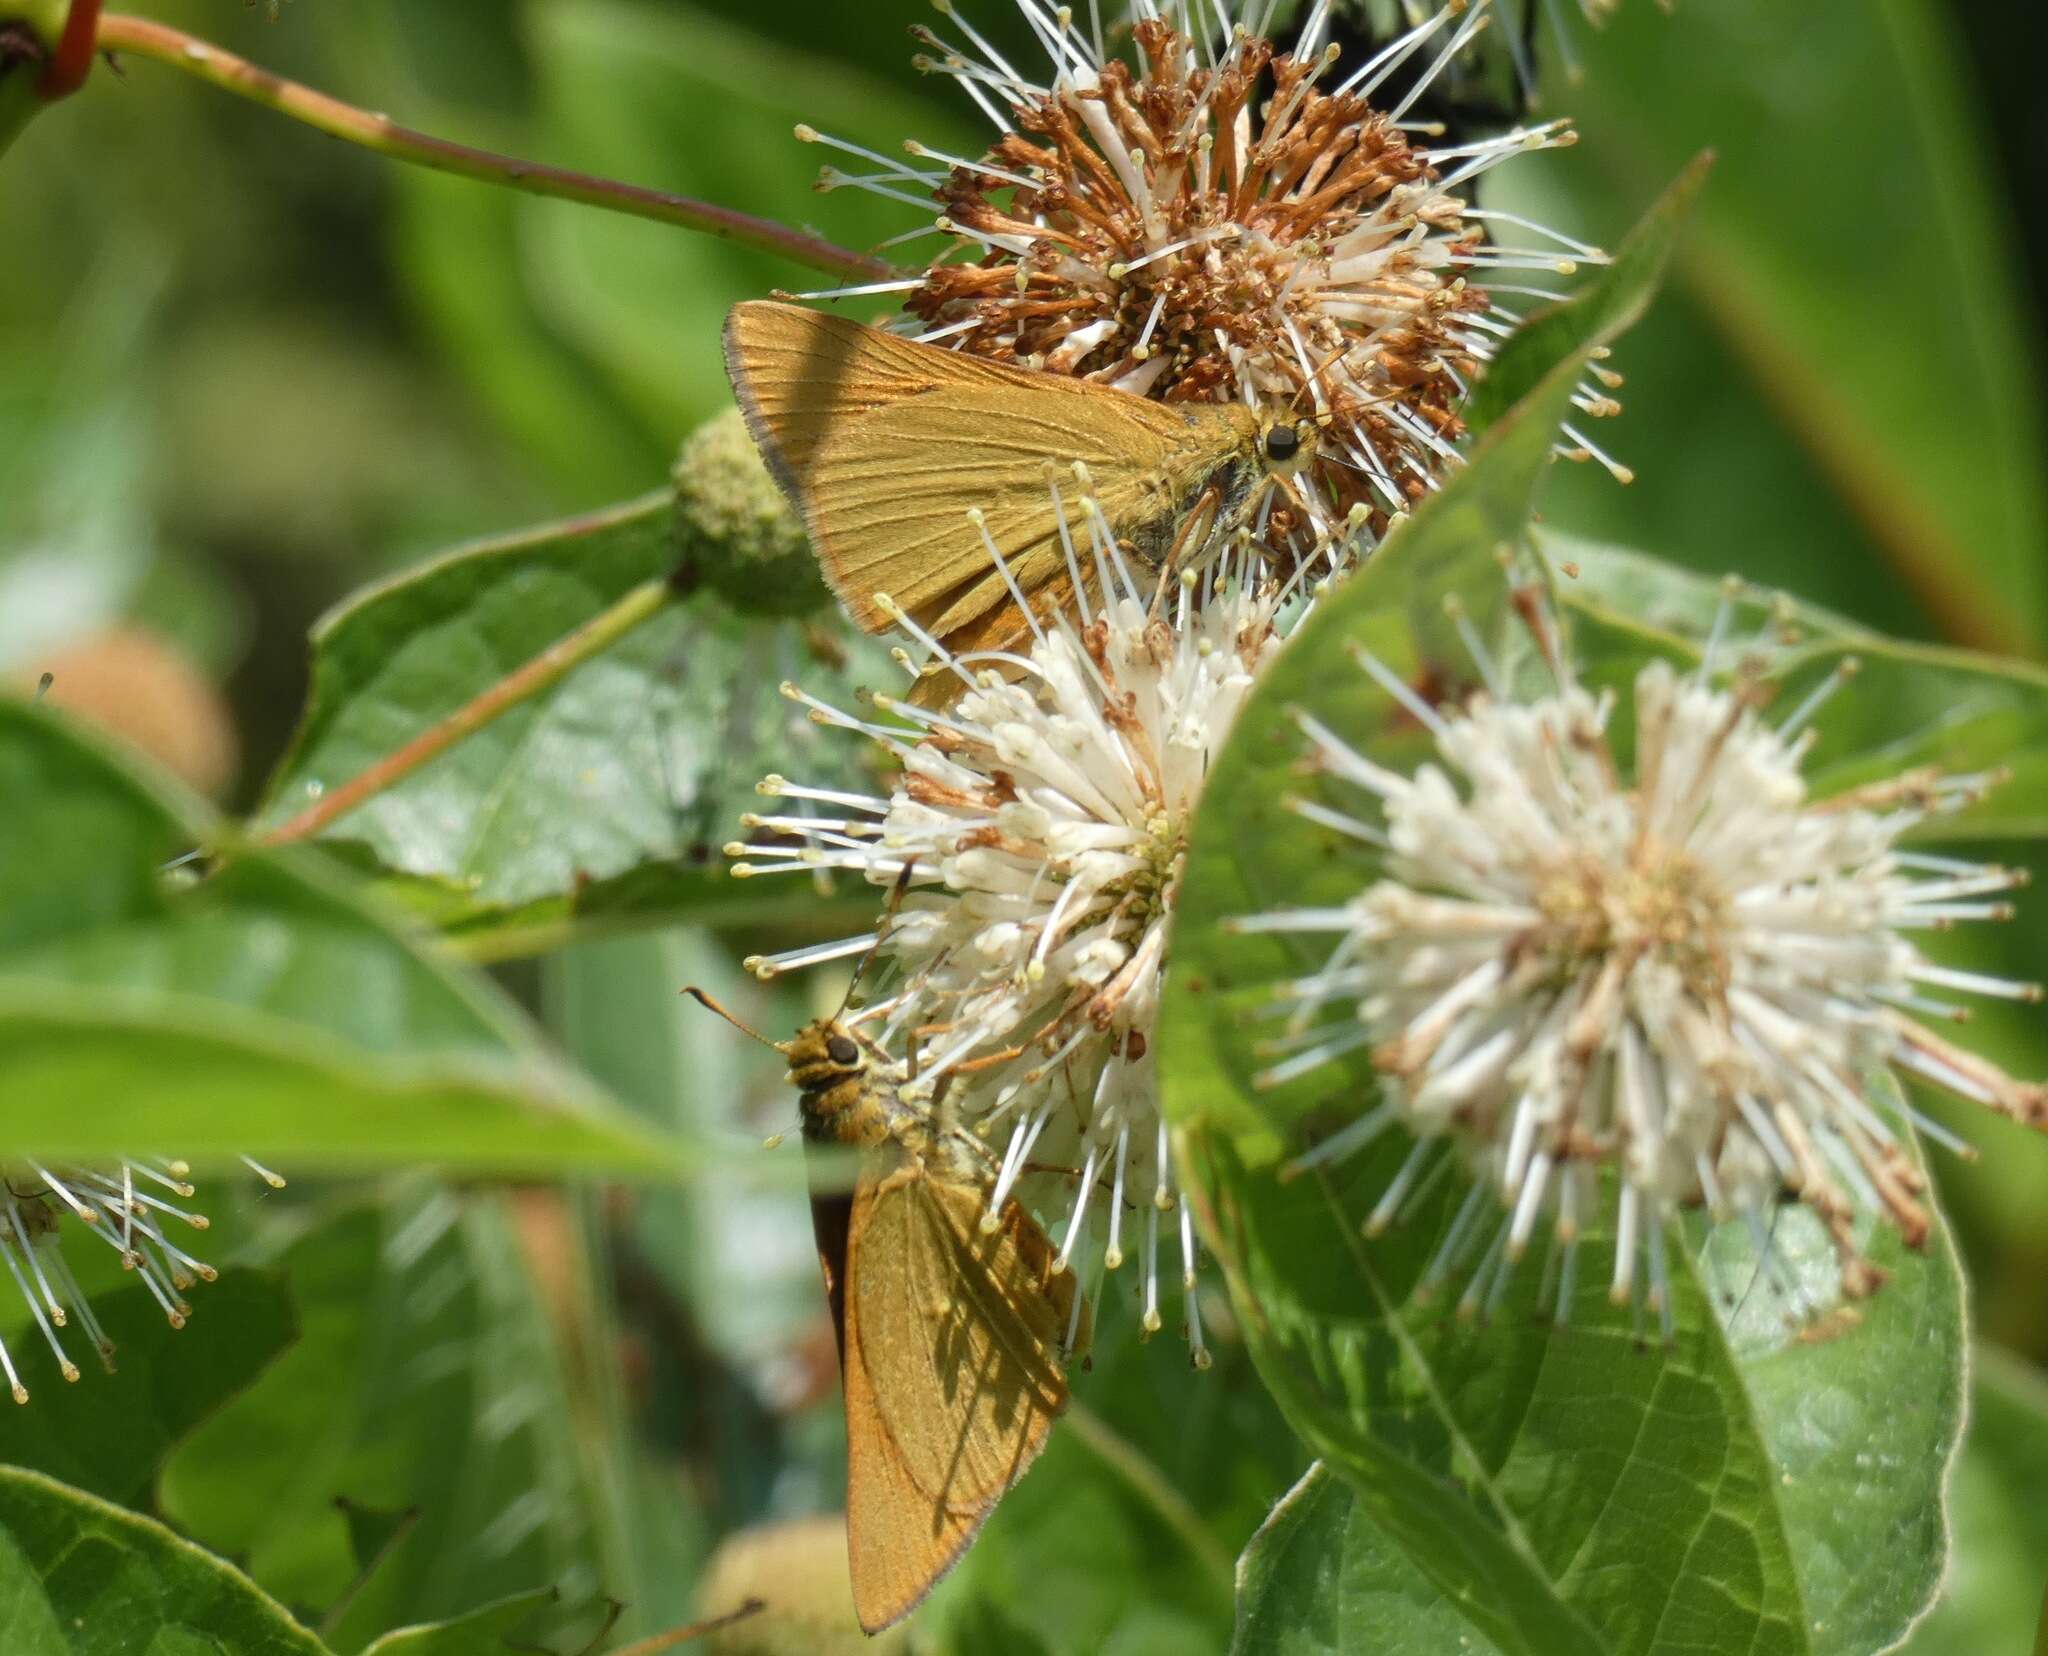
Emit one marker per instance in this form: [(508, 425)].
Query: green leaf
[(81, 1577), (107, 1434), (490, 1631), (1860, 1415), (1577, 1489), (606, 797), (1997, 1587), (262, 1010), (1321, 1578), (88, 1076), (1804, 407), (424, 1379)]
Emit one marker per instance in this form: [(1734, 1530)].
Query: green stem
[(545, 670), (1149, 1483), (145, 38)]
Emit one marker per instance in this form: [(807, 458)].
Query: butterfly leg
[(1194, 532)]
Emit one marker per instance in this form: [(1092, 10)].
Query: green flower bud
[(734, 529)]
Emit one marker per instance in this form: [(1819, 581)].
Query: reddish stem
[(65, 73), (544, 671), (173, 47)]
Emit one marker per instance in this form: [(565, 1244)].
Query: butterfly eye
[(842, 1051), (1283, 442)]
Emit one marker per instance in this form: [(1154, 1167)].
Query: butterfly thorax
[(1233, 483)]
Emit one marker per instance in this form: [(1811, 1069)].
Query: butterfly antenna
[(705, 999), (889, 909), (1333, 360)]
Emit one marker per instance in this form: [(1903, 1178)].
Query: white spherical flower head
[(1677, 964), (1043, 822), (1220, 220), (134, 1208)]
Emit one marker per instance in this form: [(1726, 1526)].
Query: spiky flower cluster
[(1228, 222), (133, 1208), (1043, 820), (1675, 964)]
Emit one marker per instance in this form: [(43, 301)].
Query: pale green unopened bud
[(734, 529), (797, 1571)]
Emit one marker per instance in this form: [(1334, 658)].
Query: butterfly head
[(1287, 445), (824, 1055), (841, 1098)]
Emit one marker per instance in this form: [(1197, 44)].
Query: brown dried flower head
[(1229, 222)]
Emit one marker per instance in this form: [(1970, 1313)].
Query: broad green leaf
[(424, 1380), (605, 797), (1997, 1587), (107, 1434), (1818, 406), (492, 1631), (1427, 1423), (82, 1577), (1321, 1578), (261, 1010), (89, 1076), (1746, 1488), (1860, 1414)]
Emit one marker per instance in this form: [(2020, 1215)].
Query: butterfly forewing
[(884, 445), (951, 1355)]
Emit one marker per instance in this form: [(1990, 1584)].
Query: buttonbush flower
[(137, 1209), (1043, 820), (1660, 956), (1224, 221)]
